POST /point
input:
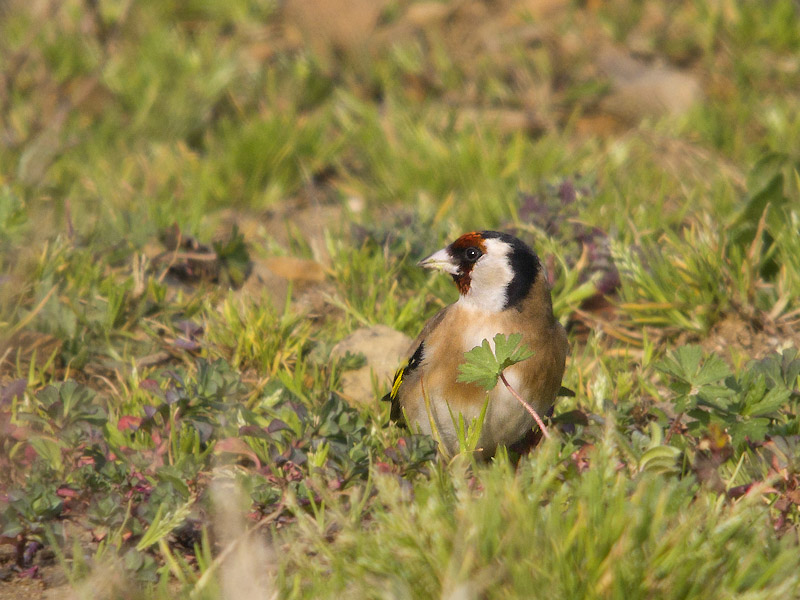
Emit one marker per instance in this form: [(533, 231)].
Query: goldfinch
[(502, 289)]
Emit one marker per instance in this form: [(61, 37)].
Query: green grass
[(608, 533), (153, 155)]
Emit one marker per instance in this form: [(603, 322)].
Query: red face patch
[(457, 250), (473, 238)]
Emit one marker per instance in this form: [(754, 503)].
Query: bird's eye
[(472, 254)]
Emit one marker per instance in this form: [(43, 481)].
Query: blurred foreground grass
[(198, 200)]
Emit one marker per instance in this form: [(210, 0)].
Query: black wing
[(396, 412)]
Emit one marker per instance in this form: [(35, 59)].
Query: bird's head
[(493, 271)]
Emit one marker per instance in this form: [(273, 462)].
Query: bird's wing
[(410, 371)]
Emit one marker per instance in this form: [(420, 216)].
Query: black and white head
[(493, 271)]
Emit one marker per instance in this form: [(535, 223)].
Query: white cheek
[(487, 300), (489, 278)]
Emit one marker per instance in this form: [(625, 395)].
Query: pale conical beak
[(441, 261)]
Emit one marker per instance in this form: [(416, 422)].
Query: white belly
[(506, 420)]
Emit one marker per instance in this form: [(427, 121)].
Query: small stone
[(296, 269), (641, 90), (271, 276), (384, 348)]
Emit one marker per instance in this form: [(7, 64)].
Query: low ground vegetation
[(198, 201)]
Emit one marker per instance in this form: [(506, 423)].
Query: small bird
[(502, 289)]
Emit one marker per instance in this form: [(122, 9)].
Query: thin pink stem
[(527, 406)]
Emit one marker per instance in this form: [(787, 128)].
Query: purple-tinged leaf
[(739, 490), (129, 422), (66, 492), (277, 425), (189, 328), (254, 431), (295, 456), (174, 375), (150, 385), (535, 209), (204, 429), (14, 389), (299, 409), (30, 552), (236, 447), (185, 344), (575, 417), (609, 282), (30, 573), (567, 192)]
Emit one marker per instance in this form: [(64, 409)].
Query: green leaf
[(479, 367), (660, 459), (483, 367), (714, 369), (164, 523), (50, 449), (771, 193), (687, 366), (754, 429), (234, 257), (475, 428), (764, 172), (780, 369), (509, 350), (48, 396), (768, 404)]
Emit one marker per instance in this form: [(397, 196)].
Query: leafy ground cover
[(198, 201)]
